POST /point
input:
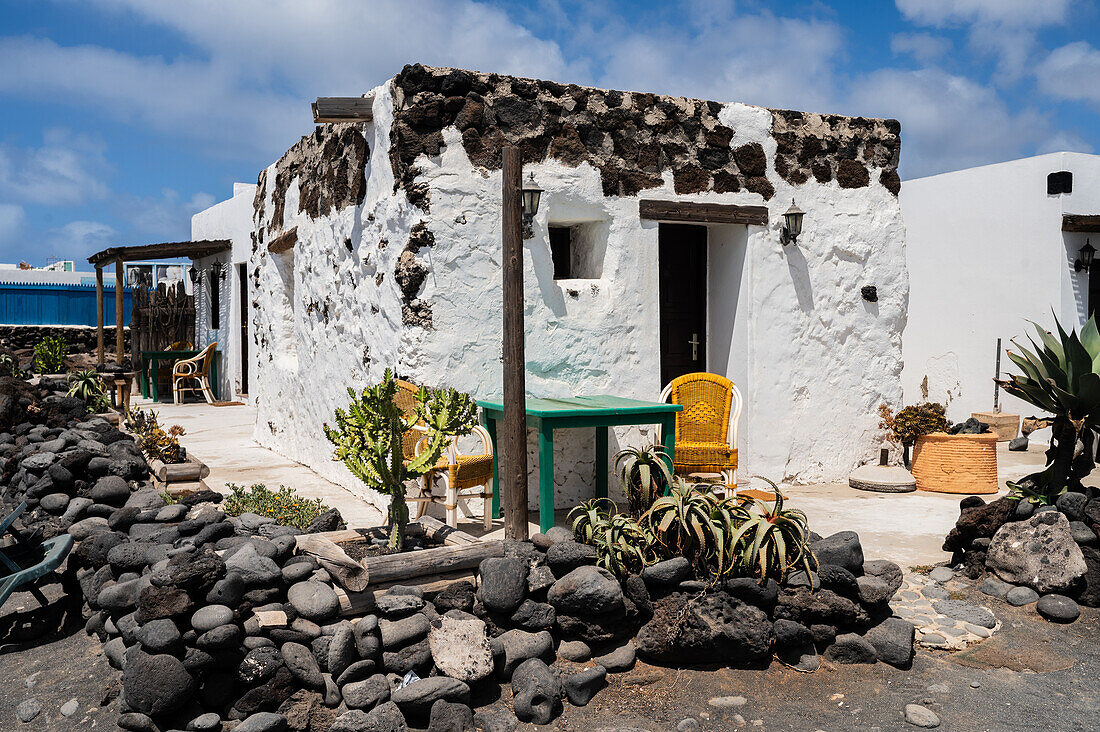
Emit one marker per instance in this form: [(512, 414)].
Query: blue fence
[(34, 303)]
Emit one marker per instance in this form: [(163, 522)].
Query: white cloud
[(67, 169), (77, 240), (1021, 13), (12, 222), (948, 122), (1071, 72), (166, 217), (1064, 141), (923, 47)]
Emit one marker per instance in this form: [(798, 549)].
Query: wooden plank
[(343, 109), (165, 250), (512, 434), (271, 618), (409, 565), (119, 279), (435, 528), (99, 314), (357, 603), (702, 213), (283, 242), (1085, 224)]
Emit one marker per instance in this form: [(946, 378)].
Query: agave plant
[(369, 435), (1061, 375), (622, 544), (86, 385), (691, 522), (645, 474), (772, 539)]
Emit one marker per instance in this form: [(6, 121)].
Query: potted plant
[(645, 474), (942, 462), (369, 436)]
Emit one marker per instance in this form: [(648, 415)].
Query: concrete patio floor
[(906, 528)]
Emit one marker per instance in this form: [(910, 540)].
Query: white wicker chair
[(195, 369)]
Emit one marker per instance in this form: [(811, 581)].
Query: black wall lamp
[(1084, 262), (530, 195), (194, 274), (792, 224)]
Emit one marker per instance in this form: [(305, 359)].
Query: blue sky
[(121, 118)]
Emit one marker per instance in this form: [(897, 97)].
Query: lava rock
[(416, 699), (996, 587), (503, 583), (330, 520), (459, 596), (368, 693), (1072, 504), (259, 665), (842, 549), (158, 636), (210, 617), (262, 722), (1019, 596), (1018, 444), (314, 601), (667, 573), (893, 641), (460, 648), (415, 657), (513, 647), (1083, 534), (566, 556), (851, 648), (255, 570), (620, 659), (534, 616), (450, 717), (586, 591), (301, 663), (979, 521), (536, 692), (398, 606), (1039, 552), (156, 684), (398, 633), (714, 628), (580, 687), (1058, 608)]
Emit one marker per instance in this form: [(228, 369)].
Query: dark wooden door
[(683, 282), (242, 275)]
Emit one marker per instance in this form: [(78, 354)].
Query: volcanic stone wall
[(631, 137)]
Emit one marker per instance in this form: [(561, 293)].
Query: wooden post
[(118, 310), (513, 435), (99, 314)]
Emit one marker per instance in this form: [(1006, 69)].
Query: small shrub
[(10, 367), (772, 539), (913, 421), (168, 498), (156, 442), (283, 505), (49, 355), (694, 523), (88, 386)]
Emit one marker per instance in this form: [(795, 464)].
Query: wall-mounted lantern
[(217, 269), (792, 224), (531, 193), (1084, 262), (194, 274)]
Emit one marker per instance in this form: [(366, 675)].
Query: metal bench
[(25, 561)]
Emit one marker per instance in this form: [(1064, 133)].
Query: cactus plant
[(369, 437)]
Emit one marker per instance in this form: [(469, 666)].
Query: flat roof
[(165, 250)]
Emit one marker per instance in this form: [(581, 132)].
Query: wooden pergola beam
[(165, 250), (118, 311), (1082, 223), (343, 109), (99, 315), (702, 213)]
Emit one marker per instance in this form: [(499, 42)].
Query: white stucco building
[(988, 249), (222, 283), (656, 251)]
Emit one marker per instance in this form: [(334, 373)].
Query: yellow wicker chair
[(464, 476), (706, 430)]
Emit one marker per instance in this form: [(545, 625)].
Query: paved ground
[(1032, 675)]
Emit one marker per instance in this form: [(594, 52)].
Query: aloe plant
[(772, 539), (691, 522), (645, 474), (622, 544), (1061, 375), (369, 436), (86, 385)]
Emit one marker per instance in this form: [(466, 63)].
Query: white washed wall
[(814, 358)]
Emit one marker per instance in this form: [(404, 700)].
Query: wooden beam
[(513, 435), (1085, 224), (702, 213), (119, 279), (99, 315), (343, 109), (164, 250), (283, 242)]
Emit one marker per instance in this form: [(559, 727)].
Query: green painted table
[(601, 412), (150, 362)]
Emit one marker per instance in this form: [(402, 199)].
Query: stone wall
[(81, 339), (405, 273)]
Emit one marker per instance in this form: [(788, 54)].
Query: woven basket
[(946, 463)]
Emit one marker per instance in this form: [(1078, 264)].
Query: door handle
[(694, 346)]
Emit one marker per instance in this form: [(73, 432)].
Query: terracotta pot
[(946, 463), (1006, 425)]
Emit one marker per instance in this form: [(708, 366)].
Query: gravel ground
[(1032, 675)]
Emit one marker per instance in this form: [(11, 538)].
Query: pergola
[(144, 252)]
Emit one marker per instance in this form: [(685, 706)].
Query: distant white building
[(987, 249), (220, 288)]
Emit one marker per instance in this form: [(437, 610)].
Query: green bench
[(23, 561)]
